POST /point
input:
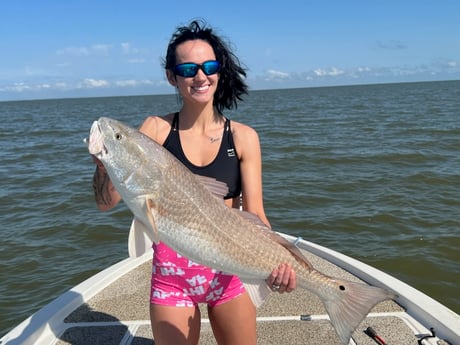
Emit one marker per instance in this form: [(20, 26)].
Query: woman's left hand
[(282, 279)]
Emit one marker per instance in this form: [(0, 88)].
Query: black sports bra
[(225, 167)]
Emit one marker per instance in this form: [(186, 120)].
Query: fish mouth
[(95, 143)]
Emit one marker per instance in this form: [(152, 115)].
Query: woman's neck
[(199, 119)]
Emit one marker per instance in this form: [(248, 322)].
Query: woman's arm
[(248, 147)]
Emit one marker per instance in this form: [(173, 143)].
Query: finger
[(283, 277), (286, 274), (276, 278), (272, 278), (292, 282)]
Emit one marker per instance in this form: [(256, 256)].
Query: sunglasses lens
[(186, 70), (210, 67)]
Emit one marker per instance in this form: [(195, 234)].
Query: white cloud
[(123, 83), (332, 72), (23, 87), (93, 83), (16, 87), (99, 49), (133, 82), (61, 85), (128, 49), (87, 83), (363, 69), (273, 74)]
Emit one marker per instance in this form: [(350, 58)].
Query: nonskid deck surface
[(120, 315)]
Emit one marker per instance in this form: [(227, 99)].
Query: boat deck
[(120, 315)]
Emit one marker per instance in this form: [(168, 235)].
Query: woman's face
[(201, 87)]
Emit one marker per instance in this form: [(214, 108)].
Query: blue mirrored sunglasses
[(190, 69)]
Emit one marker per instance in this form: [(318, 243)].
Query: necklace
[(214, 139)]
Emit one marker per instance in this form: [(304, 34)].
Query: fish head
[(96, 142), (124, 152), (109, 137)]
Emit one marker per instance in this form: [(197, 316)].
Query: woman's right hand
[(105, 193)]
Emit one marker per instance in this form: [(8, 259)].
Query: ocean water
[(371, 171)]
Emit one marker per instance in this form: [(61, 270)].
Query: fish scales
[(223, 232)]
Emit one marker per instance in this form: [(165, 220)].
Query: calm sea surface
[(370, 171)]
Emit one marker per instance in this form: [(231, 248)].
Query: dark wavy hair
[(231, 85)]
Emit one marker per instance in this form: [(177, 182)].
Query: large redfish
[(187, 213)]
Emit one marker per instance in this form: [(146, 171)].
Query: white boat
[(112, 307)]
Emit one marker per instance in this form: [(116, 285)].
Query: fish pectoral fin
[(217, 188), (149, 209), (140, 239), (258, 290)]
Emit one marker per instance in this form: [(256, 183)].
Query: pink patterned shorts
[(180, 282)]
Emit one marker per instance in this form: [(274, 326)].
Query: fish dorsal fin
[(217, 188), (291, 247), (253, 218)]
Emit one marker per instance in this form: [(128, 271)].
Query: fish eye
[(118, 136)]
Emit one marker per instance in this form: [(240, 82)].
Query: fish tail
[(350, 304)]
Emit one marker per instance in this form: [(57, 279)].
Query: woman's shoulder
[(242, 131), (245, 138), (157, 127)]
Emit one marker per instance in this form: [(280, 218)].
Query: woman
[(209, 79)]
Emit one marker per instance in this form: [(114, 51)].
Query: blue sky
[(55, 49)]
